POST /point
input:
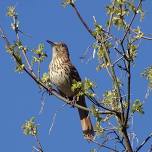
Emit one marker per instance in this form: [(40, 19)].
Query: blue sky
[(20, 97)]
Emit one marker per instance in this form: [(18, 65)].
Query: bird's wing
[(74, 74)]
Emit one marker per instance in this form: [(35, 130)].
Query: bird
[(62, 73)]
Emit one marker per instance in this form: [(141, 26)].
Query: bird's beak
[(50, 42)]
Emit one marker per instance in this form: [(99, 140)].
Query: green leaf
[(68, 2), (137, 107), (20, 68), (148, 75), (98, 29), (98, 128), (30, 127), (110, 99), (46, 79), (11, 11), (93, 150), (76, 85), (139, 33), (95, 111), (141, 12), (132, 51), (39, 53), (118, 21)]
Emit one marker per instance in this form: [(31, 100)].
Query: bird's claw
[(73, 102), (50, 91)]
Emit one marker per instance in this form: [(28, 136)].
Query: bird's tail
[(86, 124)]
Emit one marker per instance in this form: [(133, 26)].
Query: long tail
[(86, 124)]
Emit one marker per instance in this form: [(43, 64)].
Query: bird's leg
[(50, 90), (73, 101)]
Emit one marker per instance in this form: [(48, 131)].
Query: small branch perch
[(50, 91), (144, 142)]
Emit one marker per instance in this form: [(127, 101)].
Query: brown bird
[(62, 73)]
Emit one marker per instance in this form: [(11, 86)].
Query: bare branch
[(102, 145), (144, 142), (129, 91), (54, 117), (113, 64), (126, 140), (81, 19), (132, 20), (39, 144), (83, 22)]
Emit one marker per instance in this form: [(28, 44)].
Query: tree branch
[(83, 22), (132, 20), (102, 145), (120, 140), (107, 55), (39, 144), (144, 142), (49, 90), (113, 74), (16, 29), (81, 19), (126, 140), (129, 92)]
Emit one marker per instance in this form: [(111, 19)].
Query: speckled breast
[(60, 77)]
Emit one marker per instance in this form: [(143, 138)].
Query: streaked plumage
[(62, 73)]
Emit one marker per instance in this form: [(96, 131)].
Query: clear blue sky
[(20, 97)]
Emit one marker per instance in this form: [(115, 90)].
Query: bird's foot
[(73, 102), (88, 135), (50, 90)]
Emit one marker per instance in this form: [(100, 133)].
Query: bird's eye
[(57, 49), (63, 45)]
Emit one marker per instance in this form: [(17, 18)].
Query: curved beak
[(50, 42)]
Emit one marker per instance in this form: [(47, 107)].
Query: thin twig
[(143, 37), (54, 117), (27, 61), (117, 61), (132, 20), (39, 144), (43, 97), (102, 145), (144, 142), (115, 81), (150, 150), (52, 123), (81, 19), (146, 38), (38, 70), (129, 91), (120, 140), (128, 61), (94, 101), (16, 29), (83, 22), (111, 17), (34, 148)]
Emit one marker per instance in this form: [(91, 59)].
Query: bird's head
[(58, 49)]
